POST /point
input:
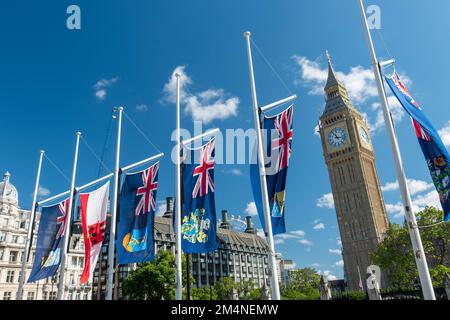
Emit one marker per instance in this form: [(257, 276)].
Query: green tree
[(395, 255), (152, 280), (303, 285), (155, 280), (225, 287)]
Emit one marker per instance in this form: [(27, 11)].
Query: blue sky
[(52, 81)]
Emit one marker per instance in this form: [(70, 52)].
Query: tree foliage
[(396, 258), (303, 285), (152, 280)]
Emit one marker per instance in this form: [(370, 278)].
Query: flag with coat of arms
[(277, 136)]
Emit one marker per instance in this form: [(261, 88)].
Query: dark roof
[(228, 237)]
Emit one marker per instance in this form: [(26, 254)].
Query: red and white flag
[(94, 206)]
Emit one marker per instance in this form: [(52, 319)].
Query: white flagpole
[(262, 173), (112, 228), (178, 272), (30, 230), (419, 253), (62, 268)]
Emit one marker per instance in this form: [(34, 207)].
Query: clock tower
[(349, 155)]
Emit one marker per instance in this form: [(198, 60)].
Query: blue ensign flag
[(50, 239), (436, 155), (198, 218), (278, 134), (137, 205)]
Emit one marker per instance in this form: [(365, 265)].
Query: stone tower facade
[(349, 155)]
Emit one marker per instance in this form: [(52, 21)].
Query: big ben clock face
[(364, 136), (337, 137)]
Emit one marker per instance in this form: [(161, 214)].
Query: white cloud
[(142, 107), (43, 192), (317, 131), (235, 172), (305, 242), (251, 209), (396, 109), (339, 263), (328, 275), (319, 226), (298, 233), (260, 233), (445, 134), (160, 208), (100, 94), (339, 241), (419, 203), (101, 85), (360, 82), (415, 186), (326, 201), (170, 88), (335, 251), (205, 106)]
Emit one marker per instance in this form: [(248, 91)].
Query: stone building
[(14, 223), (349, 155), (241, 256)]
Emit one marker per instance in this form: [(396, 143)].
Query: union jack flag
[(61, 220), (283, 127), (148, 190), (404, 90), (204, 181)]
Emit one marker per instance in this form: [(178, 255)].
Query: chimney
[(225, 224), (169, 208), (250, 228)]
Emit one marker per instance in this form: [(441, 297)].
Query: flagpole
[(178, 274), (419, 253), (30, 230), (60, 294), (112, 228), (262, 173)]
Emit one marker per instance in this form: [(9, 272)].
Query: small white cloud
[(260, 233), (306, 242), (278, 241), (101, 85), (142, 107), (319, 226), (160, 208), (339, 263), (328, 275), (205, 106), (251, 209), (317, 131), (235, 172), (298, 233), (335, 251), (43, 192), (445, 134), (415, 186), (326, 201)]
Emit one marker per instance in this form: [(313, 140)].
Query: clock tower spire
[(350, 158)]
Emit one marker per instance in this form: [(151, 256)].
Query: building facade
[(241, 256), (14, 223), (349, 155)]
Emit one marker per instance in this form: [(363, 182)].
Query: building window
[(2, 251), (53, 295), (10, 276), (15, 239), (7, 295), (30, 295), (13, 255)]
